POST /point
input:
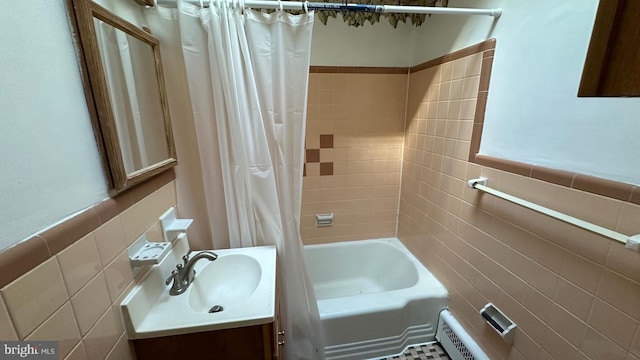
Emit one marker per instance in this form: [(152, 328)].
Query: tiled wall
[(573, 294), (73, 296), (354, 141)]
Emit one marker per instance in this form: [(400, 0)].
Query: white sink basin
[(226, 282), (241, 282)]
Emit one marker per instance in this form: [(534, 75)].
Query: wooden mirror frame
[(81, 14)]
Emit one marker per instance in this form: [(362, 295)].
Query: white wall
[(533, 114), (49, 163), (337, 44)]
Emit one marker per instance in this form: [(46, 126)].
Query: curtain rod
[(323, 6), (631, 242)]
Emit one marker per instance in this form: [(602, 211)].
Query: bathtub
[(375, 298)]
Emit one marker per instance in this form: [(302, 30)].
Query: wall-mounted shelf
[(143, 252), (172, 227)]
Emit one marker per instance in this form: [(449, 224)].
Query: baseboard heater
[(456, 341)]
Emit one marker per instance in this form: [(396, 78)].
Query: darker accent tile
[(112, 207), (635, 195), (481, 107), (312, 156), (476, 137), (604, 187), (473, 49), (164, 178), (326, 169), (559, 177), (326, 141), (485, 74), (21, 258), (68, 232), (323, 69), (515, 167), (357, 70), (144, 189)]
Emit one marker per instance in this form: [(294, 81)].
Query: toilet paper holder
[(499, 322)]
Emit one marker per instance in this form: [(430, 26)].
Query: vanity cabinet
[(249, 342), (254, 342)]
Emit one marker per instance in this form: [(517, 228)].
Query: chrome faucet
[(184, 274)]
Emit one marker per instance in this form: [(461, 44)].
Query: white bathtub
[(374, 297)]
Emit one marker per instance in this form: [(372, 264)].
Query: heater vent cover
[(456, 341)]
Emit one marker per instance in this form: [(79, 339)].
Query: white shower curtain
[(248, 76)]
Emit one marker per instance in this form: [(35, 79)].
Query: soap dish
[(143, 252)]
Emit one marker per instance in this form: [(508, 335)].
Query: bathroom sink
[(238, 289), (225, 283)]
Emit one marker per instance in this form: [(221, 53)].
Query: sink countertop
[(149, 310)]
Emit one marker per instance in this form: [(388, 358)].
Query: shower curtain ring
[(306, 6), (281, 5)]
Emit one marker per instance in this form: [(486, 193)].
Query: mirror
[(127, 91)]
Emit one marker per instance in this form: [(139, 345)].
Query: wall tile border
[(591, 184), (24, 256), (487, 45), (357, 70)]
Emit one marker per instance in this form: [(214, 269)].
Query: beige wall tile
[(61, 327), (635, 347), (90, 303), (166, 197), (624, 261), (596, 346), (7, 332), (559, 347), (77, 353), (581, 272), (117, 353), (118, 275), (628, 220), (588, 245), (110, 240), (368, 114), (574, 299), (613, 323), (102, 337), (79, 263), (537, 276), (35, 296), (141, 216), (620, 292), (121, 351), (117, 311), (473, 65), (154, 233), (567, 325)]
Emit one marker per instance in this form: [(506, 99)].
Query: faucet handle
[(174, 276)]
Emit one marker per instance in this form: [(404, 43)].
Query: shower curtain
[(248, 75)]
